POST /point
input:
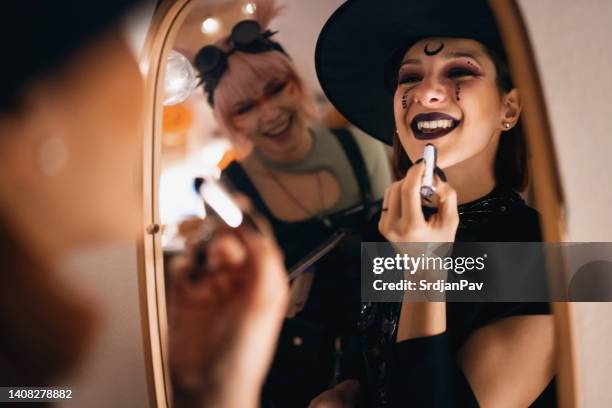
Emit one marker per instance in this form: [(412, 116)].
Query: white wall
[(113, 373), (572, 44)]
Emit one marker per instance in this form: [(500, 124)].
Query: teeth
[(435, 124)]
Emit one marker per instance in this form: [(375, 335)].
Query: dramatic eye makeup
[(409, 73), (464, 69), (273, 88)]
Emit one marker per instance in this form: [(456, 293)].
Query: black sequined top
[(423, 372)]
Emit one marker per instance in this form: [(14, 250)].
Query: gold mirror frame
[(548, 192), (548, 195), (165, 25)]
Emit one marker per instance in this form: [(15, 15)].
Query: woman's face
[(272, 120), (447, 95)]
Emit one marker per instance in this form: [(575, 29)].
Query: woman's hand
[(227, 300), (402, 218), (344, 395)]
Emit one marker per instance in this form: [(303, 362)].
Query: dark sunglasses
[(211, 61)]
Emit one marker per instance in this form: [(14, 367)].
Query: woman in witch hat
[(413, 73)]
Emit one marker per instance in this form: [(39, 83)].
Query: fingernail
[(418, 161), (200, 258), (250, 222), (440, 174), (200, 261), (194, 276)]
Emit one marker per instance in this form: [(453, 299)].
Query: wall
[(572, 46)]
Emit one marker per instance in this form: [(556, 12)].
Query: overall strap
[(355, 158), (240, 180)]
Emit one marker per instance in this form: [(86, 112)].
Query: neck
[(462, 177), (297, 152)]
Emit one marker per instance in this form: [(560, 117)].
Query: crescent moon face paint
[(429, 52), (427, 186)]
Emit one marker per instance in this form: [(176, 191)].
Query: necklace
[(318, 214)]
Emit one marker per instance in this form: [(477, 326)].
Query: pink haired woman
[(309, 181)]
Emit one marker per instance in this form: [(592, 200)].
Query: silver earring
[(52, 156), (507, 125)]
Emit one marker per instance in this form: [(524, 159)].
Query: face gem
[(457, 90), (435, 51)]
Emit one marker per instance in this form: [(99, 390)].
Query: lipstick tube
[(430, 157)]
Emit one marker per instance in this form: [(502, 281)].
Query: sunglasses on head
[(246, 36)]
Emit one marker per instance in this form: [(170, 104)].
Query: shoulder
[(522, 223)]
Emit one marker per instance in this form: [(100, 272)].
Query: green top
[(327, 154)]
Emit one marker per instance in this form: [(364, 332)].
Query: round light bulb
[(249, 8), (210, 25)]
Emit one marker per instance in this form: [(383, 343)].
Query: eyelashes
[(409, 78), (462, 72)]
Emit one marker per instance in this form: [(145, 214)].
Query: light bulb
[(210, 26)]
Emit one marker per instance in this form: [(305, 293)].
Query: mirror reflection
[(242, 103), (243, 106)]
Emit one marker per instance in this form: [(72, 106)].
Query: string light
[(210, 25), (249, 8)]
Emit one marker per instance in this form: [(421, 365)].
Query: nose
[(267, 109), (431, 92)]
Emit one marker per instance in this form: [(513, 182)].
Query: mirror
[(284, 147), (308, 191)]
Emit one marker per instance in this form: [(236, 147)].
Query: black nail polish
[(440, 174), (200, 263), (248, 220), (194, 276), (200, 258)]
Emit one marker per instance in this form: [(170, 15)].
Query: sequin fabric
[(378, 321)]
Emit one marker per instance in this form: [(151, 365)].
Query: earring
[(507, 125), (52, 156)]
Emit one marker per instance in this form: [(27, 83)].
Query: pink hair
[(248, 73)]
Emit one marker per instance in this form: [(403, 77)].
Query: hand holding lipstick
[(227, 298), (402, 218)]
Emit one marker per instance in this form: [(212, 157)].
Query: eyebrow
[(458, 54), (447, 56)]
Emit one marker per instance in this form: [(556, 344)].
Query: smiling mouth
[(279, 131), (427, 126)]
